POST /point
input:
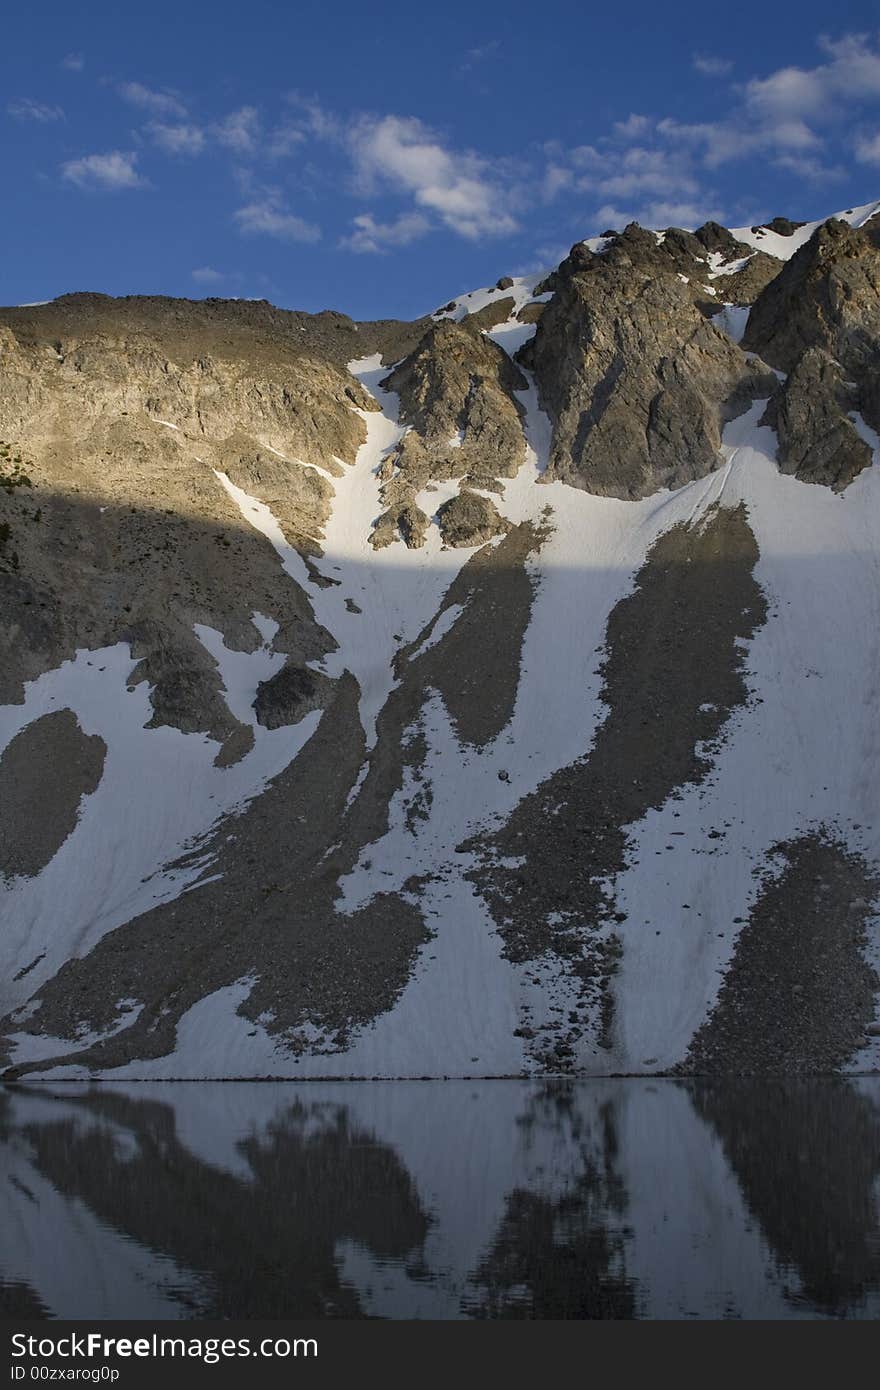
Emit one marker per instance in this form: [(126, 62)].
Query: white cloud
[(656, 169), (633, 127), (855, 67), (177, 139), (73, 62), (719, 142), (206, 275), (159, 103), (25, 109), (868, 149), (372, 236), (853, 74), (545, 257), (658, 213), (620, 171), (612, 217), (315, 119), (786, 94), (474, 56), (658, 172), (111, 171), (711, 67), (805, 166), (556, 180), (457, 187), (788, 117), (588, 157), (641, 170), (240, 130), (284, 140), (266, 215)]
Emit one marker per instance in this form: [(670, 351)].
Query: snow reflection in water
[(594, 1199)]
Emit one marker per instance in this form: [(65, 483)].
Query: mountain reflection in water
[(455, 1199)]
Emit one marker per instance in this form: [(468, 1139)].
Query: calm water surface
[(496, 1199)]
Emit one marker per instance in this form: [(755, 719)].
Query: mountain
[(490, 694)]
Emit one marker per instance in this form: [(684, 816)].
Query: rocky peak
[(782, 226), (827, 295), (713, 237), (633, 376), (457, 396), (819, 321)]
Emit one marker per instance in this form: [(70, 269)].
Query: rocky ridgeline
[(135, 540), (125, 533), (637, 376)]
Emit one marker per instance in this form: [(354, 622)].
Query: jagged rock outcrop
[(827, 296), (698, 258), (186, 691), (740, 272), (633, 376), (402, 521), (817, 441), (782, 226), (459, 386), (531, 312), (715, 238), (457, 395), (819, 321)]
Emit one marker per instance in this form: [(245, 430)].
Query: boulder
[(469, 519)]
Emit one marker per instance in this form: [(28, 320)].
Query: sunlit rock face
[(449, 697)]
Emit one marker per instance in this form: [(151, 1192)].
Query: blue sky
[(379, 159)]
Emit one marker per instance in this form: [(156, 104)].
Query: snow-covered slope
[(784, 247), (467, 785)]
